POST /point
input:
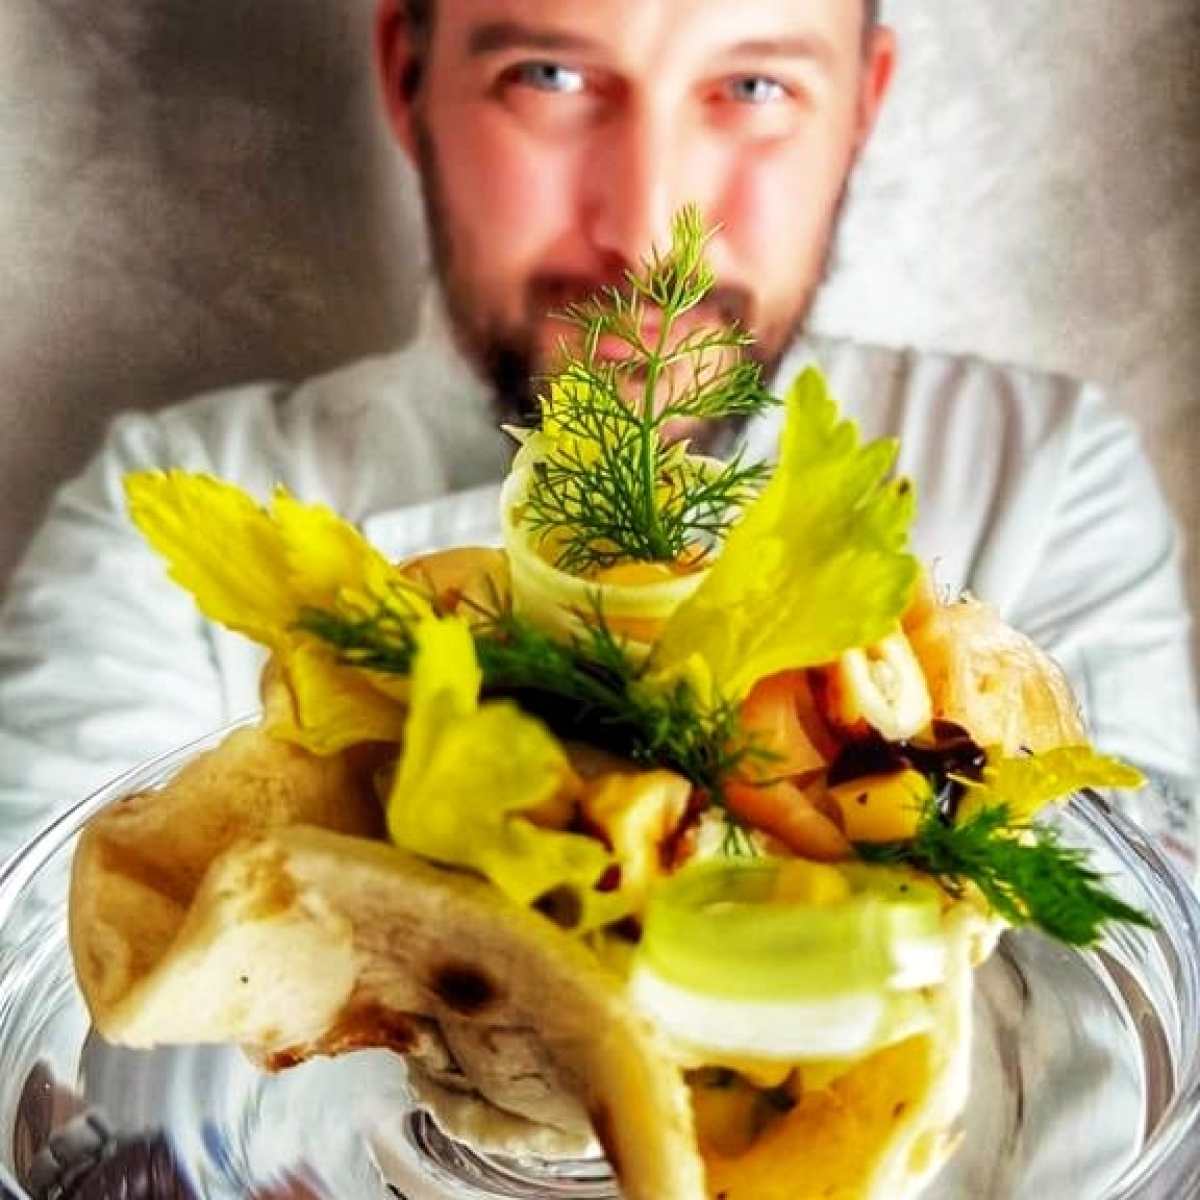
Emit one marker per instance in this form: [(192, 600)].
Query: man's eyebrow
[(802, 46), (509, 35)]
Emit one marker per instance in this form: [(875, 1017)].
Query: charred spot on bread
[(464, 989)]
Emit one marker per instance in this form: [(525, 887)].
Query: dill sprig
[(607, 702), (587, 688), (380, 640), (1024, 872), (612, 488)]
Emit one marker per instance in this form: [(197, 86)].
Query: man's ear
[(879, 65), (396, 68)]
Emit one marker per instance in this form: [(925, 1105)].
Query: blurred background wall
[(198, 194), (191, 194)]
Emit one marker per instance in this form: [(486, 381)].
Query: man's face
[(557, 138)]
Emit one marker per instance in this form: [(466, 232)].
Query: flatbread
[(139, 863), (302, 941), (990, 678), (250, 902)]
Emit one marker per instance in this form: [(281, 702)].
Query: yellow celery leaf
[(470, 773), (817, 565), (250, 568), (326, 556), (1028, 782), (444, 691), (555, 442), (258, 569), (333, 706), (220, 545)]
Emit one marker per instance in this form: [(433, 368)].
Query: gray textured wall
[(193, 194), (190, 194), (1034, 195)]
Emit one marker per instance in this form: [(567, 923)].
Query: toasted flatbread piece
[(139, 863), (991, 679), (252, 902), (469, 580), (303, 941)]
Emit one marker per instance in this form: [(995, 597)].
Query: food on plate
[(679, 823)]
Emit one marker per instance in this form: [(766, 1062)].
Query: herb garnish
[(590, 689), (610, 487), (1023, 870), (587, 687)]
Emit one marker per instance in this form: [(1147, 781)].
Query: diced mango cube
[(881, 808)]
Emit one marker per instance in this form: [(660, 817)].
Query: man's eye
[(756, 89), (548, 77)]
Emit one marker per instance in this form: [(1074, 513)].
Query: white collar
[(469, 518)]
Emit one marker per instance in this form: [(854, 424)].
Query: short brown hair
[(419, 15)]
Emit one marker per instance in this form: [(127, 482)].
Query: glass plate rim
[(1105, 820)]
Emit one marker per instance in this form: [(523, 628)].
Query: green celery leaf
[(817, 565), (471, 777)]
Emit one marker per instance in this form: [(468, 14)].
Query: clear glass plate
[(1086, 1069)]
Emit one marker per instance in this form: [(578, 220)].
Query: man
[(555, 139)]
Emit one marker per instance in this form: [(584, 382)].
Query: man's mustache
[(553, 295)]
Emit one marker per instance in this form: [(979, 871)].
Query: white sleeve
[(102, 665), (1107, 600)]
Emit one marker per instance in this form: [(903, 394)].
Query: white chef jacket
[(1033, 494)]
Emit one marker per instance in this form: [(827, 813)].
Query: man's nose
[(634, 188)]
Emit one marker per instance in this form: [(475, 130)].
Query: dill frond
[(1024, 872), (737, 842), (590, 690), (380, 639), (587, 688), (607, 703), (612, 489)]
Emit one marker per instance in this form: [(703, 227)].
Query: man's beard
[(506, 355)]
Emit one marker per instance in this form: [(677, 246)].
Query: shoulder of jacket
[(956, 371), (212, 430), (907, 383)]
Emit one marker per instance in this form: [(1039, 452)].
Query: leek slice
[(719, 928), (563, 604)]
